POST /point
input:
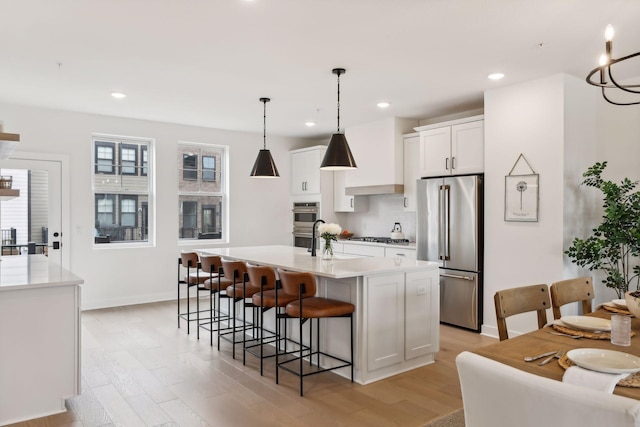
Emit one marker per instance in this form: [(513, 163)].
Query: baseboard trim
[(118, 302)]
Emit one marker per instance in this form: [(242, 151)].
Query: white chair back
[(498, 395)]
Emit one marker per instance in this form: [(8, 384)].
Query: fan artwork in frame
[(521, 198)]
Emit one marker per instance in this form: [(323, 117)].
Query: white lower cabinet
[(402, 318), (364, 250), (392, 252)]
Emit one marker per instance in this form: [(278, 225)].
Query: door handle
[(455, 276)]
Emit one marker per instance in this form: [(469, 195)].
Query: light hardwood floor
[(139, 369)]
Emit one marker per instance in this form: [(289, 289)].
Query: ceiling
[(207, 62)]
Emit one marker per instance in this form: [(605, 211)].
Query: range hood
[(371, 190), (378, 149)]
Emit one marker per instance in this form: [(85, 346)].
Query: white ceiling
[(207, 62)]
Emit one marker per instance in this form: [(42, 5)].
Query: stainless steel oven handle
[(455, 276)]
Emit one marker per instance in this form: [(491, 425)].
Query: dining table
[(513, 350)]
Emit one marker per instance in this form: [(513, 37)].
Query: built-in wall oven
[(304, 215)]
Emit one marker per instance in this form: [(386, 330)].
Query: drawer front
[(399, 252), (364, 250)]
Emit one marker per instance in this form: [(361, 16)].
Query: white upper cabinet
[(377, 148), (305, 170), (411, 170), (452, 148)]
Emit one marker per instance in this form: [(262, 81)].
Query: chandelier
[(605, 73)]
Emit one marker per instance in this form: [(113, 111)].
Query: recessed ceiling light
[(495, 76), (310, 124), (383, 104), (118, 95)]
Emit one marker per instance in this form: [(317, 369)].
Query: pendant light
[(264, 167), (338, 155)]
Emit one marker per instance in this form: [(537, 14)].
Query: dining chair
[(521, 300), (572, 290), (498, 395)]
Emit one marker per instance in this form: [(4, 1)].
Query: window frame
[(212, 170), (217, 189), (185, 169), (114, 207), (133, 198), (139, 186)]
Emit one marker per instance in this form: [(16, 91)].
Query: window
[(104, 157), (105, 210), (122, 195), (202, 191), (128, 210), (145, 159), (190, 166), (128, 159), (208, 168)]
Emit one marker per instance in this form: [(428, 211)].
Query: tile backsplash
[(378, 220)]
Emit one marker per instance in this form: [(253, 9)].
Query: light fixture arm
[(605, 70), (338, 71)]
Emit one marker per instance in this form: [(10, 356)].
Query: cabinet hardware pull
[(400, 254), (453, 163), (404, 202), (351, 202), (446, 163)]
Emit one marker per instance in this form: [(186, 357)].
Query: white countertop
[(342, 266), (33, 271), (411, 245)]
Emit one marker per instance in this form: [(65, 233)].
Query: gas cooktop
[(380, 240)]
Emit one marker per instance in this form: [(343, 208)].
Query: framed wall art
[(521, 195)]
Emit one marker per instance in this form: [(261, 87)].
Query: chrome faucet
[(313, 237)]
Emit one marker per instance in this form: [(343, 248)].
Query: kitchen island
[(39, 337), (396, 322)]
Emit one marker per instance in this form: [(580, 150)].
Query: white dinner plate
[(620, 303), (587, 323), (609, 361)]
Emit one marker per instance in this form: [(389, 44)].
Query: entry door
[(39, 205)]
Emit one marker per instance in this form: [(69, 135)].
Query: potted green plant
[(614, 245)]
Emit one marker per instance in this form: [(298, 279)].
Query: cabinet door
[(422, 313), (298, 172), (341, 202), (411, 171), (467, 148), (393, 252), (363, 250), (385, 320), (312, 176), (435, 152)]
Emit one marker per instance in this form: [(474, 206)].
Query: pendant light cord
[(264, 128), (338, 73)]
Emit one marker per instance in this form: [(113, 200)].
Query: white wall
[(377, 221), (562, 126), (260, 211)]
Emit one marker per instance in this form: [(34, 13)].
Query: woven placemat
[(584, 334), (614, 309), (632, 380)]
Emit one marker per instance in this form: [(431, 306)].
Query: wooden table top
[(512, 351)]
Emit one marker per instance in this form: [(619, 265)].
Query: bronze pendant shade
[(338, 155), (264, 167)]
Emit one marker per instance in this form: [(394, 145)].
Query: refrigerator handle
[(447, 228), (440, 221)]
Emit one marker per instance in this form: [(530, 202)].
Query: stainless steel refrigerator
[(449, 230)]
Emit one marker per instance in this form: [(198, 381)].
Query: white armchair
[(496, 395)]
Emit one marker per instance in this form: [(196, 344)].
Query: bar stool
[(309, 307), (239, 291), (194, 277), (214, 283), (271, 295)]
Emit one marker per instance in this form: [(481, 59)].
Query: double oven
[(304, 215)]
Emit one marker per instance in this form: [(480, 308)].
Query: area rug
[(454, 419)]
